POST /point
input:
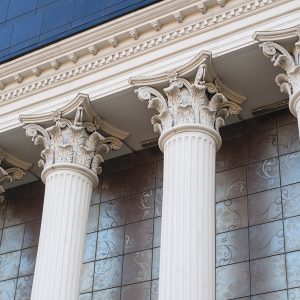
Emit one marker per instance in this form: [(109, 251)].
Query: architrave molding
[(87, 62)]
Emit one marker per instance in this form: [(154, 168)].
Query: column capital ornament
[(73, 135), (205, 101), (288, 82), (14, 170)]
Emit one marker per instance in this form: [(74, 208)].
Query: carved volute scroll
[(289, 82), (200, 102), (72, 140), (15, 171)]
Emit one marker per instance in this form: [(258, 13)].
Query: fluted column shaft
[(59, 258), (294, 105), (187, 259)]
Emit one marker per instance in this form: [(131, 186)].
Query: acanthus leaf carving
[(8, 175), (72, 141), (199, 102), (15, 171), (289, 82)]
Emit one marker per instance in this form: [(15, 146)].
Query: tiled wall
[(258, 210), (20, 217), (28, 24), (121, 259), (258, 221)]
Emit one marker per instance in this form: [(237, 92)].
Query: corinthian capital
[(205, 100), (289, 82), (14, 170), (73, 136)]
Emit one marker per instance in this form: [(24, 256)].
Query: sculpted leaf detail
[(8, 176), (156, 101), (72, 142), (280, 56), (186, 103), (289, 82)]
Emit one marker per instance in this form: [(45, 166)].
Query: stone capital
[(193, 95), (71, 135), (12, 169), (289, 61)]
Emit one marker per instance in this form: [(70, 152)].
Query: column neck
[(70, 167), (190, 127)]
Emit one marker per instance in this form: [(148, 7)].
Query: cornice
[(56, 64), (277, 35), (89, 38)]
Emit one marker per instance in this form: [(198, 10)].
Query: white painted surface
[(187, 255), (65, 213)]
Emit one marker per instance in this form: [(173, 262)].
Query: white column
[(294, 105), (66, 205), (188, 123), (187, 263), (71, 160)]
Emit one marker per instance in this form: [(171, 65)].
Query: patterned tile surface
[(257, 222), (261, 229)]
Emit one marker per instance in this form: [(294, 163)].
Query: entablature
[(144, 32)]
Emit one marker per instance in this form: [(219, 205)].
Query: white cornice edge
[(88, 37), (121, 53)]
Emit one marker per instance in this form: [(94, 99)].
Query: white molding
[(277, 35), (105, 31), (180, 32), (108, 72)]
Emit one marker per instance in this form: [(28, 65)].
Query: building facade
[(95, 204)]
